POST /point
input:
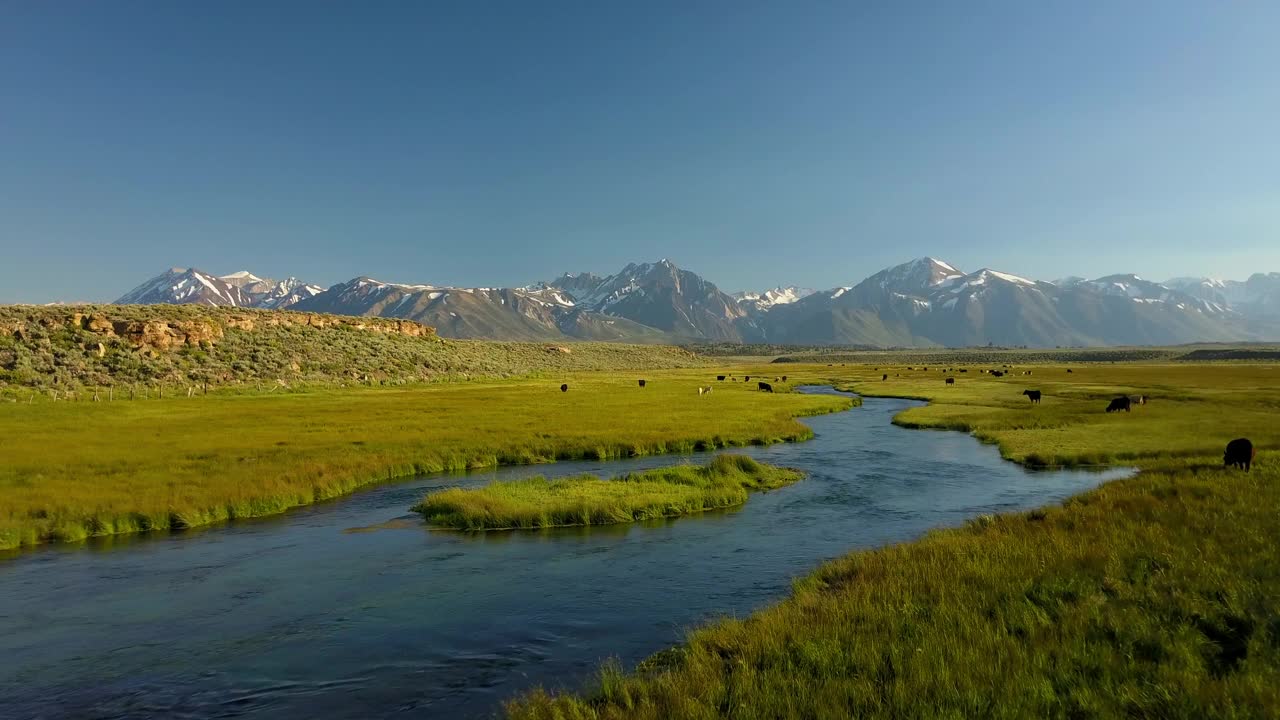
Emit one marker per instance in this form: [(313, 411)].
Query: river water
[(354, 609)]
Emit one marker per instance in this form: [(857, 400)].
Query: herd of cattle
[(706, 390), (1240, 453)]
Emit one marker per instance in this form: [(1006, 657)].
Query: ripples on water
[(353, 609)]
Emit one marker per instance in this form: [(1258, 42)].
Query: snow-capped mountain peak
[(184, 286), (917, 276), (761, 301)]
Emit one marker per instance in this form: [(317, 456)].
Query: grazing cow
[(746, 378), (997, 373), (911, 368), (642, 382), (925, 369), (784, 378), (963, 370), (1068, 369), (1120, 403), (1240, 453), (704, 390), (1032, 395), (884, 376), (951, 381), (765, 386), (720, 378), (564, 388)]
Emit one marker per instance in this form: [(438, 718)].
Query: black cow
[(1033, 395), (746, 378), (963, 370), (885, 376), (720, 378), (1240, 453), (1068, 369), (951, 381), (784, 378), (1120, 403), (642, 383), (765, 386), (997, 373), (564, 388)]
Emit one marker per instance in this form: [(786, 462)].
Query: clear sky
[(486, 143)]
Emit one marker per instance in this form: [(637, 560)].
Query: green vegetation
[(1153, 596), (1194, 409), (74, 470), (589, 500), (75, 351)]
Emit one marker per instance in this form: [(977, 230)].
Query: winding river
[(354, 609)]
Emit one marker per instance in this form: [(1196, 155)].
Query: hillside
[(69, 348)]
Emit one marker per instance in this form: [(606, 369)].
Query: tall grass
[(74, 470), (588, 500), (1154, 596)]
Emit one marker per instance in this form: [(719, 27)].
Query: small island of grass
[(589, 500)]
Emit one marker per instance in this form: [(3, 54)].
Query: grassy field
[(1156, 596), (74, 470), (588, 500)]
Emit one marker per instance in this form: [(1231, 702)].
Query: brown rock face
[(161, 335), (15, 328), (240, 322), (96, 324)]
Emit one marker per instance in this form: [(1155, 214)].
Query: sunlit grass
[(75, 470), (588, 500), (1153, 596)]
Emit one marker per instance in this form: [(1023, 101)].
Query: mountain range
[(922, 303), (183, 286)]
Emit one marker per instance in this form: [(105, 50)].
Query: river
[(354, 609)]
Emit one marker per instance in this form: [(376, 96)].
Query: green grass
[(1154, 596), (75, 470), (1195, 409), (588, 500)]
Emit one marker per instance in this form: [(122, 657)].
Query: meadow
[(589, 500), (74, 470), (1154, 596)]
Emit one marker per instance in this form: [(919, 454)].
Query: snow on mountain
[(179, 286), (915, 277), (271, 294), (183, 286), (659, 295), (922, 302), (762, 301)]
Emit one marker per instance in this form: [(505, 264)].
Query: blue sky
[(484, 143)]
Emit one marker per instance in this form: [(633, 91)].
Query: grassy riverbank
[(1154, 596), (589, 500), (74, 470)]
